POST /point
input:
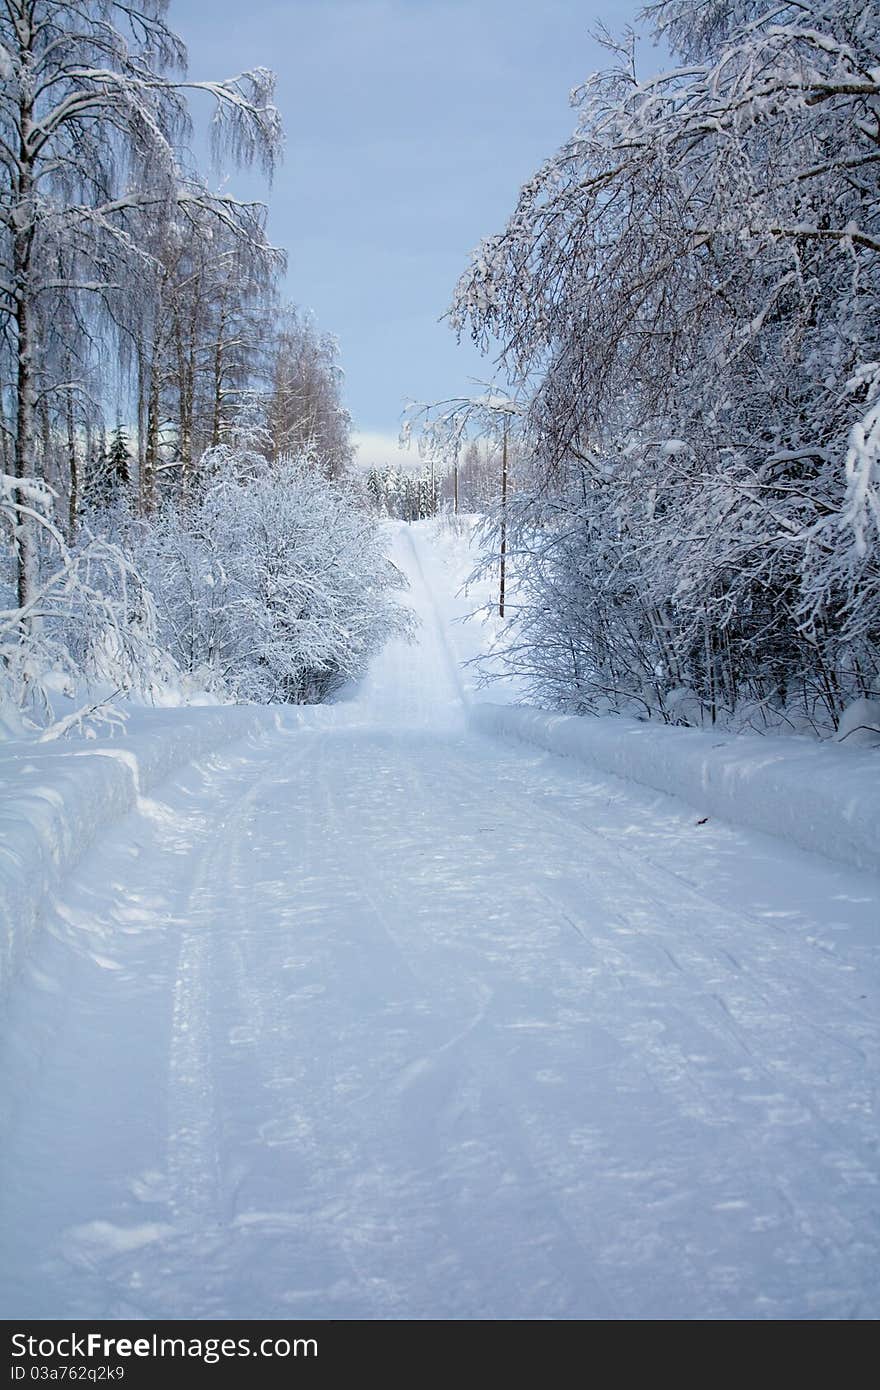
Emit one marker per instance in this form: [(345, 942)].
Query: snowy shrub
[(859, 725), (89, 624), (273, 586)]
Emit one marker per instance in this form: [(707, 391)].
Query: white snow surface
[(55, 798), (820, 796), (370, 1014)]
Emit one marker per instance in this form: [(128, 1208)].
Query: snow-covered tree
[(306, 415), (199, 335), (90, 623), (92, 116), (689, 291)]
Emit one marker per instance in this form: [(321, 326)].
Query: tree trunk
[(73, 467), (503, 580), (24, 398), (22, 246), (218, 386), (143, 376), (151, 451)]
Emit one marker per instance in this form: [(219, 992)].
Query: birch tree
[(198, 332), (93, 110), (305, 410)]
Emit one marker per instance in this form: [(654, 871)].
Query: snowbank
[(56, 797), (821, 797)]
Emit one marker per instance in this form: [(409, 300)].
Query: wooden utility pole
[(503, 517)]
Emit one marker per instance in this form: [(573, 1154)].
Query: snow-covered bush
[(859, 725), (88, 627), (274, 585)]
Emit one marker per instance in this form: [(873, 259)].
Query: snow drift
[(821, 797), (56, 797)]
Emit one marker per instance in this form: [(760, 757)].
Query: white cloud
[(376, 450)]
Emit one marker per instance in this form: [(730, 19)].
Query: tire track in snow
[(632, 870), (788, 1099), (769, 1014), (194, 1162), (464, 1085)]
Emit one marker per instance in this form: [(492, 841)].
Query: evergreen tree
[(119, 460)]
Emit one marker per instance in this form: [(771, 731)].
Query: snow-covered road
[(377, 1018)]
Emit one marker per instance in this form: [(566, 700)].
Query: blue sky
[(410, 126)]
